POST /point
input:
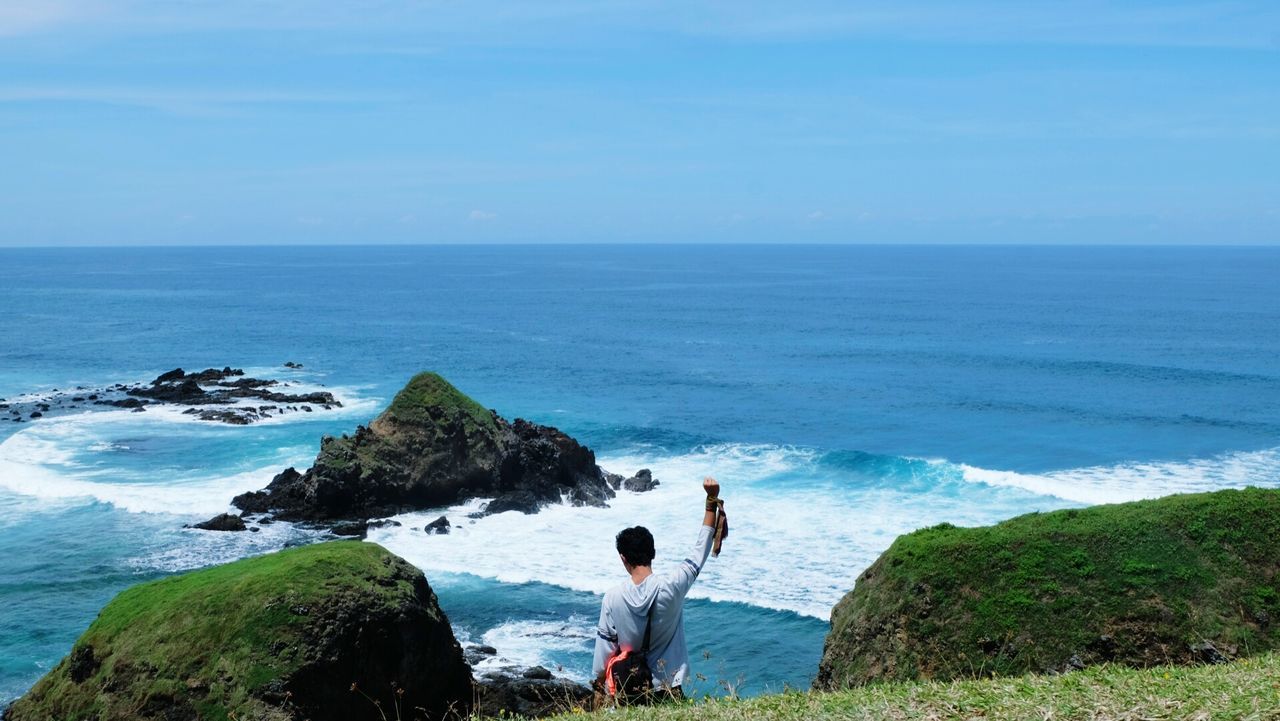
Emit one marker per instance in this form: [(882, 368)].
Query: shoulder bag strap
[(648, 626)]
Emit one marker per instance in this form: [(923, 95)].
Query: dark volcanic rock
[(213, 375), (537, 672), (81, 664), (242, 417), (173, 375), (522, 501), (213, 387), (523, 696), (351, 528), (249, 383), (434, 446), (185, 391), (1207, 652), (221, 522), (440, 525), (642, 481)]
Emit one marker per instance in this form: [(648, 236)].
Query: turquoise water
[(844, 395)]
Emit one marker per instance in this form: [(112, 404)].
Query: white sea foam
[(799, 537), (522, 644), (197, 549), (803, 525), (1135, 481), (40, 481), (797, 550), (68, 458)]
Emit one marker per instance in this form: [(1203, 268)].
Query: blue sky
[(133, 122)]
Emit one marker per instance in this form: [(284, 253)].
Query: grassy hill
[(273, 637), (1182, 579), (1248, 689)]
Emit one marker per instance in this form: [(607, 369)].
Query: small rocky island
[(434, 446), (224, 396)]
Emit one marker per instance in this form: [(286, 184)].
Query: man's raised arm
[(691, 566)]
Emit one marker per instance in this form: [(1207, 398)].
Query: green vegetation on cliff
[(264, 638), (1141, 583), (1246, 689), (426, 391)]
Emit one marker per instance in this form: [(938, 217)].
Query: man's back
[(624, 613)]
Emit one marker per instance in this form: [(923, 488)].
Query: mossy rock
[(281, 636), (428, 396), (1183, 579)]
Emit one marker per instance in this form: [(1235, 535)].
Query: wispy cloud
[(178, 100), (507, 22)]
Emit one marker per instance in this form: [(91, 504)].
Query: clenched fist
[(711, 486)]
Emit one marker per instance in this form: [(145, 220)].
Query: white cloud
[(481, 216), (817, 215), (20, 17)]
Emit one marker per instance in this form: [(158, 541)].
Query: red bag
[(627, 676)]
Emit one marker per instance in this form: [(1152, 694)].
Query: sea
[(842, 395)]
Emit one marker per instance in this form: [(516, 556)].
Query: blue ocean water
[(843, 395)]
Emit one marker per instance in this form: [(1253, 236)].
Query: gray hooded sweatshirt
[(625, 609)]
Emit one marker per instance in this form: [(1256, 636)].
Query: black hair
[(636, 546)]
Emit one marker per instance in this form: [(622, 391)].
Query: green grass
[(1028, 594), (1248, 689), (211, 637), (429, 390)]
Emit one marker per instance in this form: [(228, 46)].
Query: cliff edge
[(1183, 579), (281, 636)]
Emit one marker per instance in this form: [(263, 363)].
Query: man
[(626, 607)]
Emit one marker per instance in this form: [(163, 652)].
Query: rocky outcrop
[(1185, 579), (434, 446), (505, 690), (216, 387), (221, 522), (319, 632), (533, 694), (224, 396), (642, 481)]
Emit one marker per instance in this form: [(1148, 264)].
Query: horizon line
[(652, 243)]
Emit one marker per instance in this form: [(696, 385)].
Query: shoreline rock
[(432, 447), (215, 395), (221, 522), (522, 691)]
